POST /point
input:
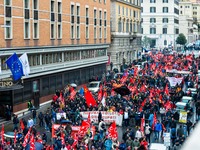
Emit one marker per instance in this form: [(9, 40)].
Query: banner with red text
[(108, 117)]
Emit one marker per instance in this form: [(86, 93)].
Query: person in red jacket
[(144, 143)]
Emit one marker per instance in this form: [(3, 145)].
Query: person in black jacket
[(15, 122)]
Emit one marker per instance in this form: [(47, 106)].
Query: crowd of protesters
[(148, 95)]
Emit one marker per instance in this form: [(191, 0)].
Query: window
[(152, 9), (119, 25), (87, 16), (165, 9), (8, 32), (119, 10), (59, 31), (72, 13), (105, 18), (52, 10), (164, 30), (165, 42), (100, 18), (8, 8), (142, 31), (165, 1), (165, 20), (35, 9), (177, 31), (35, 30), (86, 32), (78, 14), (152, 30), (100, 32), (78, 32), (52, 31), (95, 17), (95, 32), (127, 26), (72, 31), (152, 20), (27, 30), (26, 9), (59, 12), (152, 1), (105, 33), (176, 21)]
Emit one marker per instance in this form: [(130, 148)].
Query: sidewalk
[(8, 125)]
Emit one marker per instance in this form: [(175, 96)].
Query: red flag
[(113, 131), (21, 124), (100, 92), (63, 138), (32, 142), (15, 137), (123, 79), (2, 134), (168, 105), (143, 88), (112, 92), (26, 138), (166, 91), (84, 128), (89, 98), (61, 97), (72, 94), (88, 119), (154, 120), (142, 124), (75, 141)]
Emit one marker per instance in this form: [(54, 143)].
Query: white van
[(94, 86)]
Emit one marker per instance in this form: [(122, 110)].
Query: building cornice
[(46, 49), (129, 4)]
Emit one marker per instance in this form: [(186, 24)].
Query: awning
[(9, 88)]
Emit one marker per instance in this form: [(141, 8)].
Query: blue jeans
[(34, 120), (157, 135)]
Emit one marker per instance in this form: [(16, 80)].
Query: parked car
[(94, 86), (197, 45)]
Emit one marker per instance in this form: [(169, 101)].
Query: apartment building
[(125, 32), (188, 20), (66, 42), (160, 22)]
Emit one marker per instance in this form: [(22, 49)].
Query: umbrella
[(38, 146), (73, 85), (123, 90), (66, 121)]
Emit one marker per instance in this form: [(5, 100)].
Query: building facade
[(188, 19), (160, 22), (125, 32), (66, 42)]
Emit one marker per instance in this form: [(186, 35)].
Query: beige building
[(189, 19), (125, 32)]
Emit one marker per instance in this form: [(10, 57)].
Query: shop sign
[(8, 83)]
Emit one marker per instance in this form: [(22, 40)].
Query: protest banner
[(108, 117), (59, 115), (183, 117)]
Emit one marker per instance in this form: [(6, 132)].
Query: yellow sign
[(183, 117)]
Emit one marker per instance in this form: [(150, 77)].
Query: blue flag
[(15, 66)]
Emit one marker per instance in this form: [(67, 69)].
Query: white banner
[(173, 81), (59, 115), (108, 117)]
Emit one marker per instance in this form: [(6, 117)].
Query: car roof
[(187, 97), (192, 89), (95, 82), (180, 104)]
